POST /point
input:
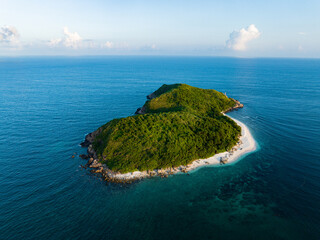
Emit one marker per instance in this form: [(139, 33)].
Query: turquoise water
[(47, 105)]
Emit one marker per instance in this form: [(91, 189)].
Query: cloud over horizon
[(238, 40), (9, 36), (73, 40), (108, 44), (69, 40)]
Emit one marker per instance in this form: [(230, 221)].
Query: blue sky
[(244, 28)]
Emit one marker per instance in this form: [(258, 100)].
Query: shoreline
[(246, 144)]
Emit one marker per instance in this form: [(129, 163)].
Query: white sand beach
[(245, 145)]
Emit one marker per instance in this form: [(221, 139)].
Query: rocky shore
[(142, 110), (97, 167), (235, 107), (222, 158)]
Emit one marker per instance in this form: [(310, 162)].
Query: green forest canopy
[(181, 124)]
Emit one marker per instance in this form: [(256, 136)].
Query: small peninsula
[(179, 128)]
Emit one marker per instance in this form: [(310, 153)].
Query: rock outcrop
[(141, 110), (90, 138), (236, 106), (151, 96), (83, 156)]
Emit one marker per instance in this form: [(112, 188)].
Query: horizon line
[(151, 55)]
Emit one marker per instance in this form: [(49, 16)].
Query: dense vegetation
[(181, 124)]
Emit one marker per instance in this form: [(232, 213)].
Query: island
[(178, 129)]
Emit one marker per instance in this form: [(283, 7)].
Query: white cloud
[(238, 40), (72, 40), (115, 45), (108, 44), (54, 42), (302, 33), (69, 40), (9, 35)]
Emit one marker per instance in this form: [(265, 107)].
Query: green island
[(177, 125)]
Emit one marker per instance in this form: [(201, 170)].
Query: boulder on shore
[(83, 156), (141, 110), (90, 138)]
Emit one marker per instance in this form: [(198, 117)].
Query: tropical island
[(179, 128)]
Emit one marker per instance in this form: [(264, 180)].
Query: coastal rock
[(95, 164), (91, 152), (235, 107), (90, 161), (138, 111), (141, 110), (99, 170), (151, 96), (90, 138), (83, 156)]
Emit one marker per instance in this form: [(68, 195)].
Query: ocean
[(48, 105)]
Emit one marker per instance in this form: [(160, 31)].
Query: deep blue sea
[(48, 105)]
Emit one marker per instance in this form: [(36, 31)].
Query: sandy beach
[(245, 145)]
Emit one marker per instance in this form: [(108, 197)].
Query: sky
[(268, 28)]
